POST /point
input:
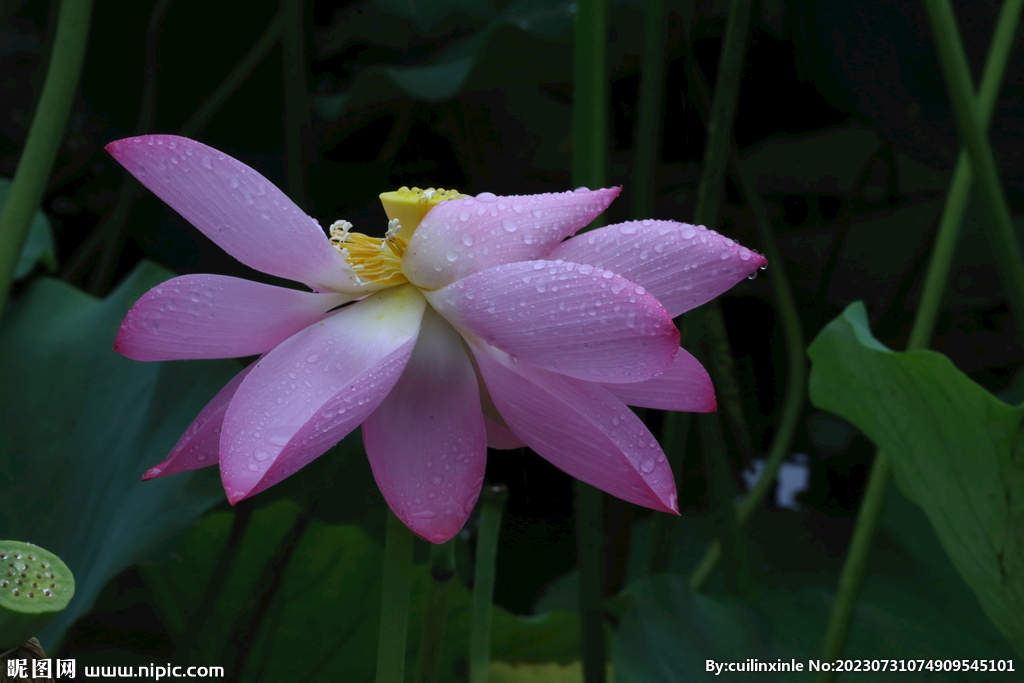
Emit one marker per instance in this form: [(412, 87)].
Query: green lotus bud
[(34, 586)]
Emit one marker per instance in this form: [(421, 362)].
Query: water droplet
[(628, 228), (724, 255), (452, 256), (486, 197), (744, 254), (467, 239), (582, 189), (647, 466), (687, 231), (464, 216), (261, 455), (234, 181)]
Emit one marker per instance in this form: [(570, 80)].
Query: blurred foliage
[(39, 247), (326, 607), (79, 425), (957, 451)]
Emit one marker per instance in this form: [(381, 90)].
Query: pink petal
[(463, 236), (426, 442), (200, 444), (682, 265), (581, 429), (320, 384), (573, 319), (237, 208), (685, 387), (500, 437), (215, 316)]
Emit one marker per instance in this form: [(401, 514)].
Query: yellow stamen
[(373, 259), (409, 206)]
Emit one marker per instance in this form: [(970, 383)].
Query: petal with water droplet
[(570, 423), (237, 208), (502, 230), (432, 413), (684, 387), (685, 266), (215, 316), (575, 330), (362, 350)]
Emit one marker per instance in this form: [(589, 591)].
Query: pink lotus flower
[(477, 327)]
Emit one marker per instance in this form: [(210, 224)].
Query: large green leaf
[(39, 246), (326, 606), (957, 451), (79, 424)]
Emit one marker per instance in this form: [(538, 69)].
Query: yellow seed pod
[(409, 206)]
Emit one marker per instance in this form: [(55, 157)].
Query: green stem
[(296, 106), (590, 96), (709, 200), (920, 335), (722, 491), (44, 135), (492, 501), (852, 576), (394, 602), (212, 104), (970, 124), (723, 111), (649, 115), (442, 571), (590, 561), (674, 435), (589, 169)]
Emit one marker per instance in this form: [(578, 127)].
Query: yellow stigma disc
[(409, 206)]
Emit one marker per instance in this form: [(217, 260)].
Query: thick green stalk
[(674, 434), (722, 491), (590, 561), (796, 383), (492, 502), (296, 104), (723, 112), (589, 169), (852, 576), (970, 124), (44, 135), (648, 128), (394, 602), (719, 353), (442, 571), (590, 95)]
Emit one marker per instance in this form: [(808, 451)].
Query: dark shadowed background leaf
[(956, 449), (79, 424), (39, 246)]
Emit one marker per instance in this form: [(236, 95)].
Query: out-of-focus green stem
[(674, 434), (492, 501), (722, 492), (970, 124), (435, 624), (589, 169), (852, 576), (394, 602), (590, 96), (235, 78), (590, 562), (723, 112), (796, 383), (648, 128), (44, 135), (296, 105)]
